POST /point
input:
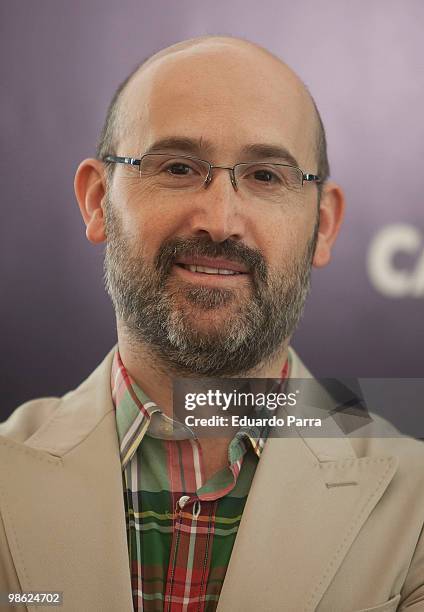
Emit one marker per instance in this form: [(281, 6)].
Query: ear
[(90, 189), (331, 213)]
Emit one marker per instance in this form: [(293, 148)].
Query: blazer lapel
[(309, 499), (62, 502)]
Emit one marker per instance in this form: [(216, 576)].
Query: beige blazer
[(303, 543)]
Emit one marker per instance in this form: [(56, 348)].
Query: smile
[(209, 276), (208, 270)]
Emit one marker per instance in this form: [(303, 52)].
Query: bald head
[(225, 75)]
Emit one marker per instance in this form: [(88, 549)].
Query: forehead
[(225, 94)]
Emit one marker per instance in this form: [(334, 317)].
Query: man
[(210, 190)]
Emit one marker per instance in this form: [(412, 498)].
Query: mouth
[(210, 270)]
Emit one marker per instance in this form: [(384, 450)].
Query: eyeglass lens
[(256, 178)]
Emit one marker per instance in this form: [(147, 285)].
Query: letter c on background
[(385, 277)]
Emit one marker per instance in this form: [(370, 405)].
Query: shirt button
[(183, 500)]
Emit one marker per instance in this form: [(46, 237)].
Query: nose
[(230, 171), (218, 209)]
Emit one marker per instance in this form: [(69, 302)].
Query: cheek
[(285, 238), (148, 219)]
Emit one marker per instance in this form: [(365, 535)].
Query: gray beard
[(160, 312)]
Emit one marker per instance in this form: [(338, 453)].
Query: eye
[(265, 176), (179, 169)]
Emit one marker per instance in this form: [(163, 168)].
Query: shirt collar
[(137, 414)]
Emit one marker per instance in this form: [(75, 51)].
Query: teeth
[(207, 270)]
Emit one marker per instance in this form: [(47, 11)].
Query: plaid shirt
[(180, 529)]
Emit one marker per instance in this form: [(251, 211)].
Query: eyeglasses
[(262, 179)]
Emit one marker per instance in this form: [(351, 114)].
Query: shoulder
[(378, 437), (408, 450), (49, 422), (28, 418)]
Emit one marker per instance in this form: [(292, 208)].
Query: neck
[(156, 379)]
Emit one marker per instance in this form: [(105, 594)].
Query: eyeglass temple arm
[(132, 161)]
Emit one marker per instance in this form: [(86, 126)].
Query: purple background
[(61, 61)]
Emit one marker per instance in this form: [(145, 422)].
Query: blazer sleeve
[(9, 582), (412, 594)]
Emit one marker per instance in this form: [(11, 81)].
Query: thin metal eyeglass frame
[(134, 161)]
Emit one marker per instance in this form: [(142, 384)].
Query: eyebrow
[(178, 144), (267, 151), (252, 152)]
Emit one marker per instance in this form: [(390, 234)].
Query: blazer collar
[(80, 411)]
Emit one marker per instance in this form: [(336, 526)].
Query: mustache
[(227, 249)]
